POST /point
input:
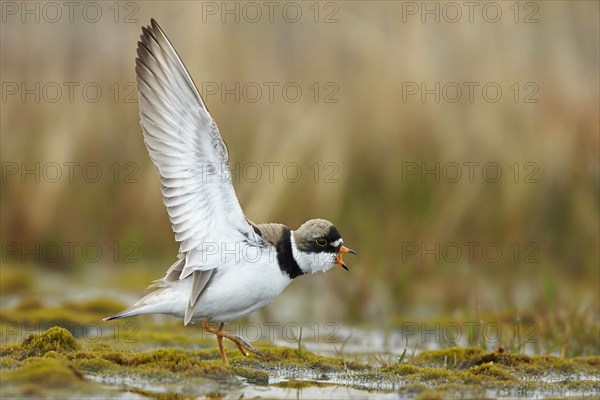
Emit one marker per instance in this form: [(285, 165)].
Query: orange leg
[(220, 343)]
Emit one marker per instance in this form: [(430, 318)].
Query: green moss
[(95, 365), (498, 357), (8, 362), (171, 360), (492, 372), (417, 373), (54, 339), (472, 365), (473, 371), (589, 360), (56, 356), (401, 369), (537, 365), (171, 363), (10, 349), (449, 358)]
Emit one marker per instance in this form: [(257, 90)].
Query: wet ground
[(52, 347), (54, 363)]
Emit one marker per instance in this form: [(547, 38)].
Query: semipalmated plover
[(227, 266)]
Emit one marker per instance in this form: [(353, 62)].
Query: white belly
[(233, 292)]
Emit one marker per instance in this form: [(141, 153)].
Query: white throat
[(311, 263)]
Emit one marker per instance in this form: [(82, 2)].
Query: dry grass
[(369, 134)]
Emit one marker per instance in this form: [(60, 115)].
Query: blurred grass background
[(370, 134)]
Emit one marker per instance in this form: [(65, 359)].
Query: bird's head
[(318, 246)]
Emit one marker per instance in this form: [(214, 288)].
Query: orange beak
[(338, 258)]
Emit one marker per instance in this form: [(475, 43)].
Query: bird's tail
[(130, 312), (149, 304)]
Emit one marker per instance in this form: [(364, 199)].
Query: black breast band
[(285, 257)]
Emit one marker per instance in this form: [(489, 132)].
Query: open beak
[(338, 258)]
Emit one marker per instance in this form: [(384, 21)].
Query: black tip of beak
[(345, 267), (352, 252)]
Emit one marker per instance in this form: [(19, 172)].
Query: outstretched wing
[(186, 147)]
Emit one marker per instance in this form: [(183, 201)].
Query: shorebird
[(227, 266)]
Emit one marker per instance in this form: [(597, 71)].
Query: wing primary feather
[(183, 139)]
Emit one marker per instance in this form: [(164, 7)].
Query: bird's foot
[(243, 345)]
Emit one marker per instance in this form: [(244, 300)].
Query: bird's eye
[(321, 242)]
